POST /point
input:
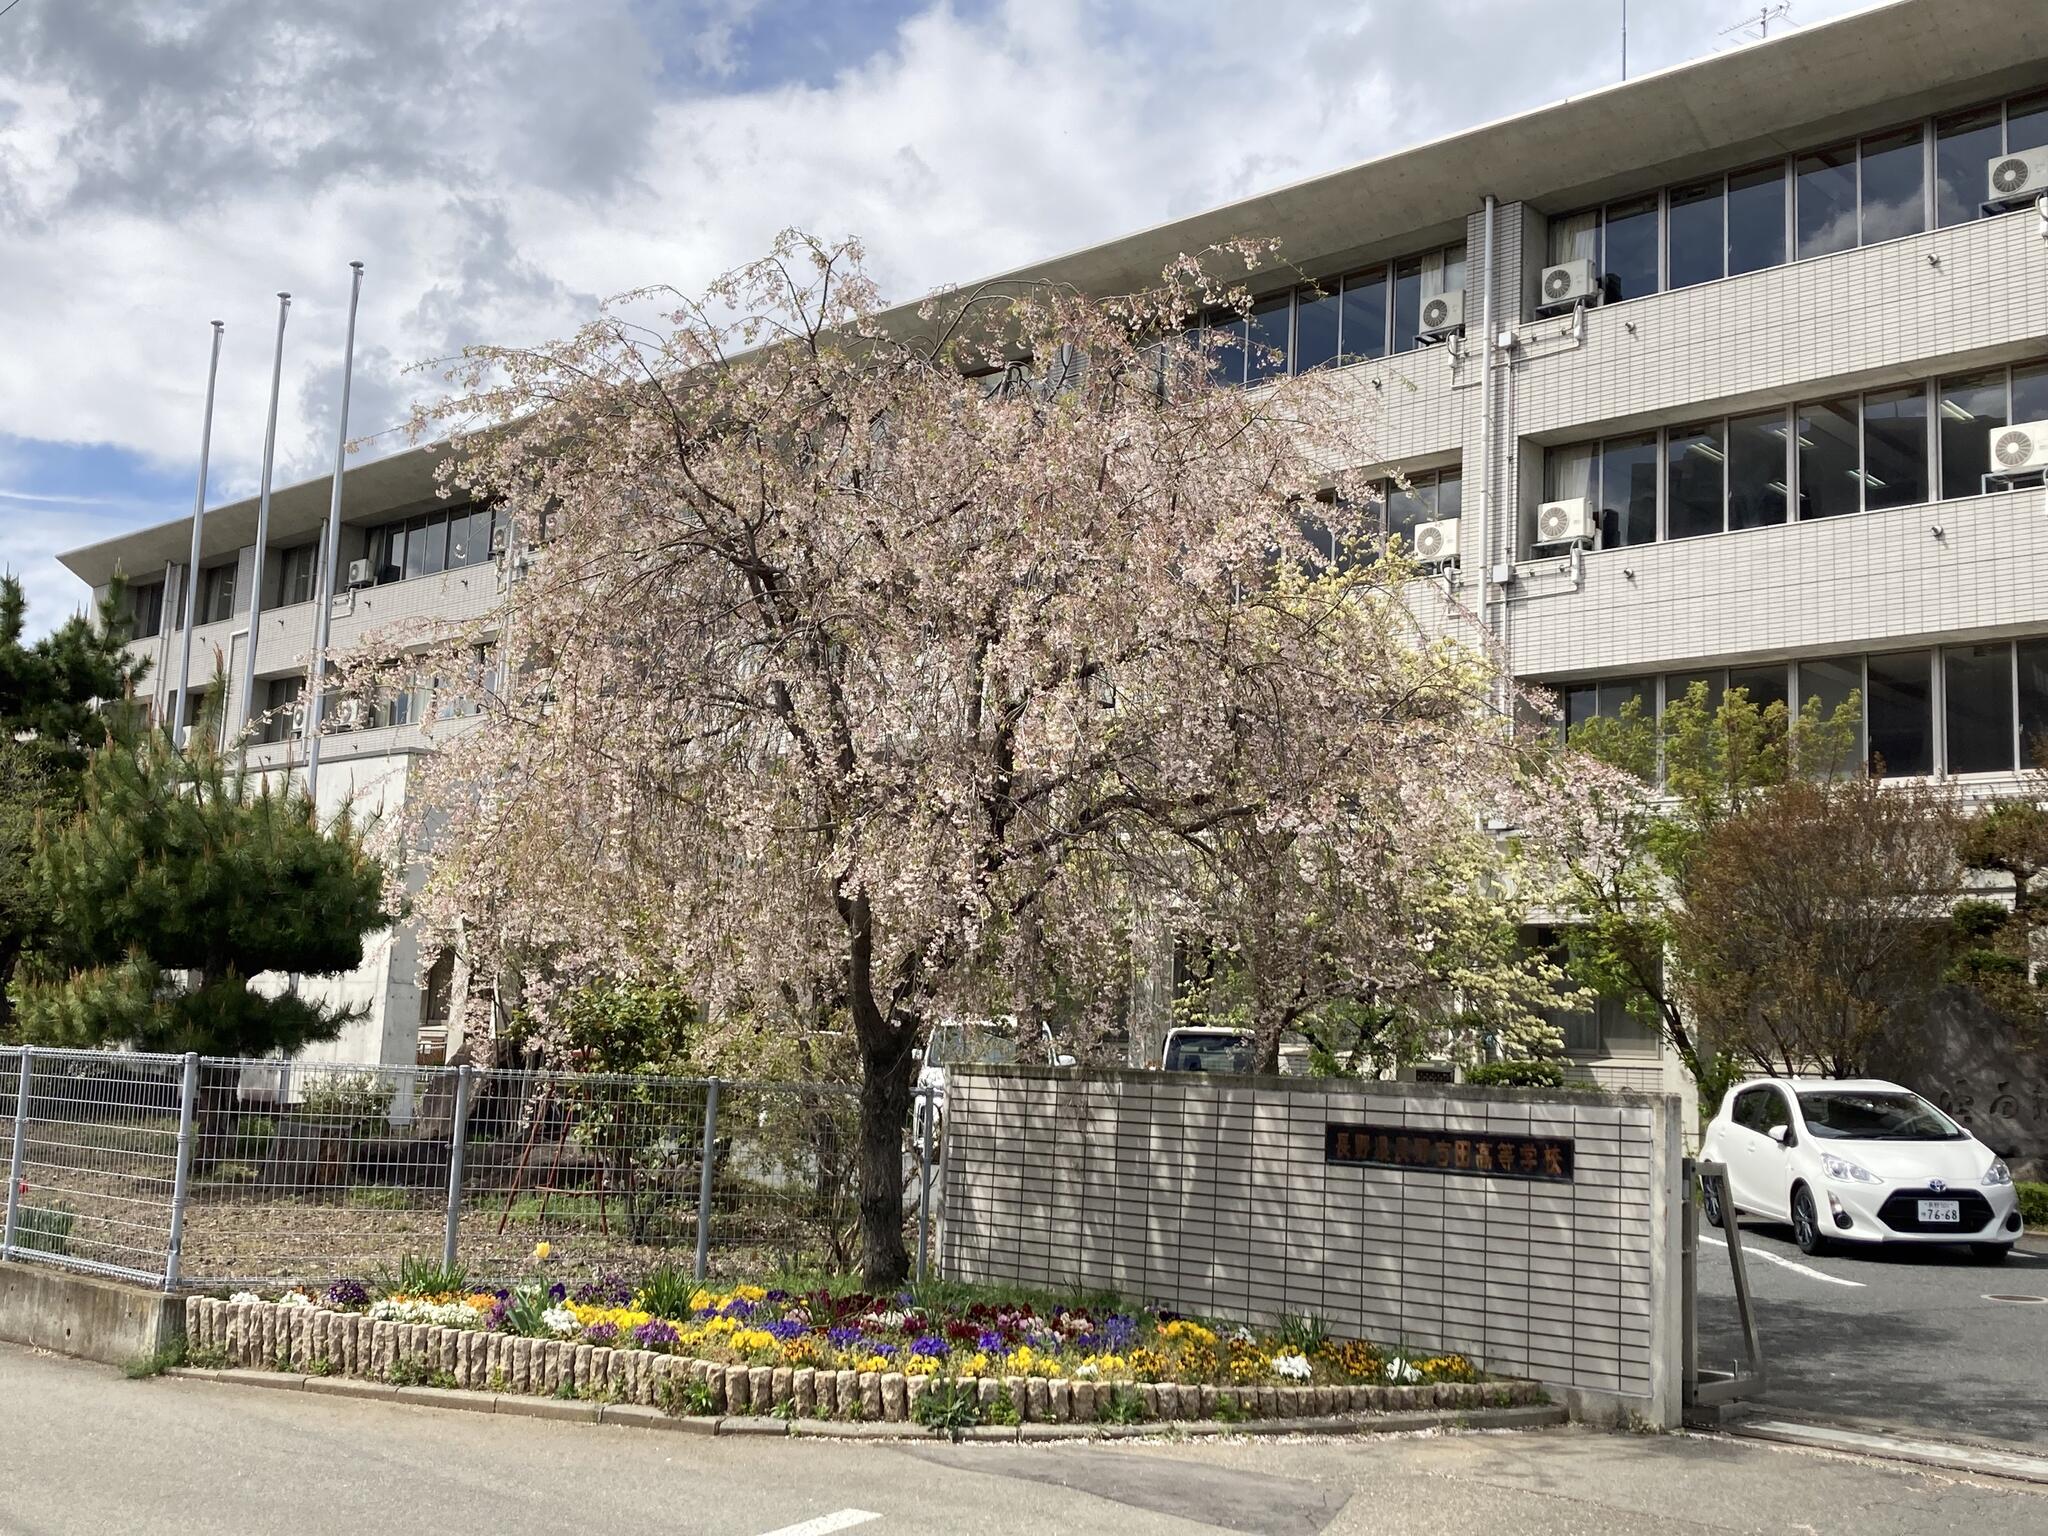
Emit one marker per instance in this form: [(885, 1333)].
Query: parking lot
[(1904, 1336)]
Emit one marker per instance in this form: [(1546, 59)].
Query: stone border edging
[(1535, 1416), (265, 1339)]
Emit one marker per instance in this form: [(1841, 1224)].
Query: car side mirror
[(1781, 1134), (1064, 1060)]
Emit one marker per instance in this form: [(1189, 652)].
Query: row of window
[(1348, 319), (1885, 448), (1963, 709), (1428, 496), (431, 543), (1904, 181)]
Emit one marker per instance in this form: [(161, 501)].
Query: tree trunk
[(885, 1093)]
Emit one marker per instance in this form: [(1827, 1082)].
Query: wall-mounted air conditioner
[(1565, 522), (1569, 282), (1437, 543), (2024, 174), (360, 574), (1443, 314), (2019, 448)]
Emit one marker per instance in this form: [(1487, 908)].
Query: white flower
[(560, 1320), (882, 1319), (441, 1314), (1243, 1335), (1400, 1372), (295, 1299), (243, 1298), (1088, 1369), (1295, 1367)]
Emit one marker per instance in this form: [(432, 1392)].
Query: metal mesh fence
[(307, 1172)]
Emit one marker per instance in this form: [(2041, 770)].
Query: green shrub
[(1518, 1074), (361, 1098), (423, 1277), (1122, 1406), (946, 1406), (1004, 1409), (378, 1197), (2034, 1204), (1302, 1333), (666, 1291), (253, 1138), (44, 1228)]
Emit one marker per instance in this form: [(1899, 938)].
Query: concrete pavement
[(83, 1450)]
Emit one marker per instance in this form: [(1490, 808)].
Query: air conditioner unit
[(501, 540), (1565, 522), (2018, 448), (2020, 175), (1570, 282), (1426, 1072), (1437, 543), (1443, 314), (360, 574)]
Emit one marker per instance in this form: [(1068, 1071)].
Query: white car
[(1859, 1161)]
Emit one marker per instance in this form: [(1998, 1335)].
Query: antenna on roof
[(1758, 27)]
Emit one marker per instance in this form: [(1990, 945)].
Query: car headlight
[(1997, 1173), (1842, 1169)]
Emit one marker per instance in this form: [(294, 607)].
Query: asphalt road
[(84, 1451), (1896, 1335)]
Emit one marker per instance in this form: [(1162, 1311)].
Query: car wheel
[(1710, 1203), (1990, 1253), (1805, 1225)]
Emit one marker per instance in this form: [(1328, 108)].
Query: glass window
[(1679, 684), (2030, 393), (1977, 704), (1894, 185), (1895, 447), (1900, 706), (1575, 237), (217, 593), (280, 696), (1271, 321), (1628, 259), (416, 546), (1452, 261), (145, 610), (1695, 459), (1315, 328), (2026, 123), (1764, 686), (1827, 201), (1830, 476), (1628, 491), (1450, 493), (1698, 240), (1831, 684), (1972, 407), (295, 575), (2032, 659), (1756, 218), (462, 550), (1580, 705), (1409, 506), (389, 543), (1365, 314), (1757, 495), (1964, 145), (1226, 351), (1617, 695), (1407, 305)]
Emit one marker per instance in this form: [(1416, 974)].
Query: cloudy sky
[(502, 164)]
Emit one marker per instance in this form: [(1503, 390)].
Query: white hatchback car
[(1859, 1161)]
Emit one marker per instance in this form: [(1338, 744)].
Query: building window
[(1900, 706), (1699, 237), (1429, 496), (438, 541), (1972, 408), (1695, 489), (295, 575), (1762, 686), (281, 708), (1756, 219), (1829, 458), (145, 610), (217, 593), (1268, 353), (1977, 708), (1345, 320), (1758, 493), (1628, 249), (1893, 189), (1832, 683), (1895, 448), (1963, 145), (1318, 329), (2032, 661), (1825, 199), (1366, 297)]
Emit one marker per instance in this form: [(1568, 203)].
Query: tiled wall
[(1211, 1196)]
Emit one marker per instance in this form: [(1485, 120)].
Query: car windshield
[(954, 1045), (1842, 1114), (1220, 1051)]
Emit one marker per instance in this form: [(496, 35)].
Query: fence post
[(458, 1147), (924, 1181), (704, 1181), (187, 1102), (15, 1161)]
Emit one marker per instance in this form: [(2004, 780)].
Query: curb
[(1905, 1446), (637, 1416)]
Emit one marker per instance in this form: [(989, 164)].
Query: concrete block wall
[(1210, 1195)]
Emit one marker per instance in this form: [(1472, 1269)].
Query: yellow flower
[(1022, 1360), (702, 1300), (541, 1250), (1181, 1328), (750, 1339), (975, 1365), (749, 1293), (920, 1365)]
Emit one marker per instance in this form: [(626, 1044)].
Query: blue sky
[(502, 164)]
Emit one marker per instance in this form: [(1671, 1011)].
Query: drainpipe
[(1486, 432)]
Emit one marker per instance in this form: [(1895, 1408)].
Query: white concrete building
[(1755, 328)]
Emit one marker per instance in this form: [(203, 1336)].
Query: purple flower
[(886, 1351), (655, 1333), (1121, 1332), (601, 1333), (778, 1296), (494, 1321), (930, 1344), (348, 1293), (736, 1308), (608, 1288), (843, 1338), (787, 1329), (558, 1293)]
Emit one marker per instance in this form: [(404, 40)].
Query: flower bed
[(824, 1354)]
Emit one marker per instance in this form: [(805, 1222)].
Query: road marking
[(824, 1525), (1752, 1250), (1958, 1457)]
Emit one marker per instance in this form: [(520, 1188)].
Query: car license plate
[(1941, 1210)]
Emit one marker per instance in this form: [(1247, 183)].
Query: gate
[(1706, 1388)]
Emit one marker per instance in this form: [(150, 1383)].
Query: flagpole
[(329, 553), (178, 704), (284, 304)]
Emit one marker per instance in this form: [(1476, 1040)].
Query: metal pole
[(192, 566), (187, 1103), (924, 1184), (14, 1163), (284, 304), (458, 1145), (704, 1180), (330, 555)]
